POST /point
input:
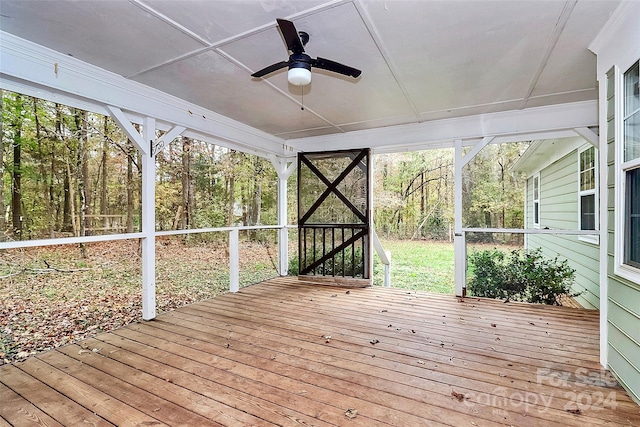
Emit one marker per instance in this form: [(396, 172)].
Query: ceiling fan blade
[(336, 67), (270, 69), (291, 36)]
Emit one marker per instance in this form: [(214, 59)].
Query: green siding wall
[(559, 209), (623, 299)]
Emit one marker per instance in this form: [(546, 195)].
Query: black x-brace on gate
[(328, 244)]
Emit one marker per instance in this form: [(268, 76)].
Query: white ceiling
[(420, 60)]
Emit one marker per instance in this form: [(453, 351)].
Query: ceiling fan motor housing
[(300, 60), (299, 69)]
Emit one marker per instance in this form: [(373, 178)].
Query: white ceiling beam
[(551, 45), (26, 63), (505, 126)]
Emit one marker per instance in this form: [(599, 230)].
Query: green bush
[(524, 275)]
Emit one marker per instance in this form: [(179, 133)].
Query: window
[(536, 200), (587, 194), (631, 168), (632, 219)]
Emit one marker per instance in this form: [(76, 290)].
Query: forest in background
[(68, 172), (413, 193)]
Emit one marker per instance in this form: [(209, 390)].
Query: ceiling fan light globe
[(299, 76)]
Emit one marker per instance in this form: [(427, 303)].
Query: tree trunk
[(55, 206), (231, 192), (130, 152), (2, 220), (103, 183), (71, 199), (188, 199), (42, 153), (67, 215), (84, 187), (16, 195)]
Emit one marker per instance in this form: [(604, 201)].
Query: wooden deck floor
[(286, 353)]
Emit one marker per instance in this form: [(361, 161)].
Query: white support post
[(284, 171), (459, 239), (603, 161), (234, 261), (459, 245), (148, 222)]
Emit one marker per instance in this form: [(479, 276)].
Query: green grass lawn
[(418, 265), (425, 265)]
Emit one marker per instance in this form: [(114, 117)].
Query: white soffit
[(543, 153)]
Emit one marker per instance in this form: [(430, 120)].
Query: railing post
[(460, 262), (234, 261), (283, 233), (387, 270)]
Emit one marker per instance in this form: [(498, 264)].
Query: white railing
[(234, 247), (234, 244)]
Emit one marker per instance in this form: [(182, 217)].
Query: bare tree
[(16, 181), (103, 181), (188, 197), (2, 221)]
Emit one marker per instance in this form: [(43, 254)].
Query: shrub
[(524, 275)]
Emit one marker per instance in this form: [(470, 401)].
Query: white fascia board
[(61, 77), (509, 125), (622, 25)]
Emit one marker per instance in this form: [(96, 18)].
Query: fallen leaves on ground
[(457, 395), (51, 296), (351, 413)]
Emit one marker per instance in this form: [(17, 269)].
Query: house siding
[(559, 210), (623, 297)]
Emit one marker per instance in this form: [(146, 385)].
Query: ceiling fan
[(300, 63)]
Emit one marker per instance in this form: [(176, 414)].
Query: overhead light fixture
[(299, 72), (299, 76)]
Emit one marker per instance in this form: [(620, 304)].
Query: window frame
[(622, 167), (594, 239), (535, 200)]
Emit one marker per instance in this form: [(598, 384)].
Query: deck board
[(262, 357)]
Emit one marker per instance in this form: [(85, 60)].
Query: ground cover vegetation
[(67, 172)]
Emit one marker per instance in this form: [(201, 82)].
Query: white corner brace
[(592, 137), (166, 139), (125, 124)]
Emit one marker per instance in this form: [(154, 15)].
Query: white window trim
[(595, 239), (535, 177), (620, 269)]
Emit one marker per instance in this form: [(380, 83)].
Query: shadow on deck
[(286, 353)]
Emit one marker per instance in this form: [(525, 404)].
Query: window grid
[(631, 166), (587, 191), (536, 200)]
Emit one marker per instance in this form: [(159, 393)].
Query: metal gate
[(334, 214)]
